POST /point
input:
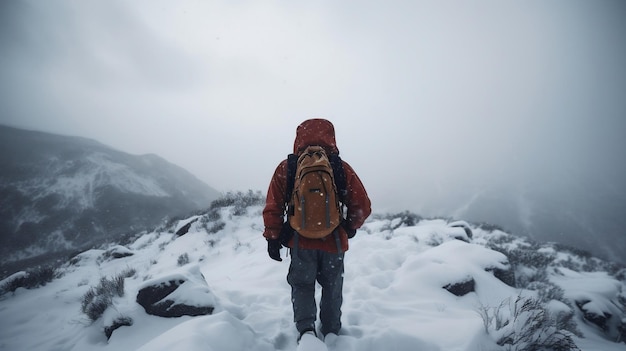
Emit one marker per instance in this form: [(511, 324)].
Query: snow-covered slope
[(410, 284), (60, 194)]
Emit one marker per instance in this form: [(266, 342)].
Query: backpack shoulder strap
[(292, 163), (340, 176)]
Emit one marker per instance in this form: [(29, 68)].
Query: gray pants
[(308, 266)]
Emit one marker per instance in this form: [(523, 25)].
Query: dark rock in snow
[(461, 288), (507, 276), (185, 228), (622, 331), (612, 322), (117, 323), (600, 320), (177, 295), (118, 251), (466, 228), (154, 299)]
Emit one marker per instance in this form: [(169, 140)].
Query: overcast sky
[(427, 97)]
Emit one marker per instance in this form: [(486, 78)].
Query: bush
[(488, 227), (97, 299), (128, 272), (239, 200), (524, 256), (525, 278), (407, 219), (216, 227), (547, 291), (183, 259), (32, 278), (575, 251), (530, 258), (525, 324), (212, 216)]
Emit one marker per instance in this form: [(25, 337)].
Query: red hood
[(318, 132)]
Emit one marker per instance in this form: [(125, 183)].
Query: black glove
[(286, 233), (273, 249), (346, 226)]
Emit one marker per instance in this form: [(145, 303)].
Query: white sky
[(427, 97)]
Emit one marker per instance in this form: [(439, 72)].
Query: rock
[(460, 230), (461, 288), (117, 251), (507, 276), (613, 325), (600, 320), (602, 306), (117, 323), (176, 295), (185, 228), (465, 226)]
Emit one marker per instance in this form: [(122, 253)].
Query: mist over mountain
[(60, 194), (583, 212)]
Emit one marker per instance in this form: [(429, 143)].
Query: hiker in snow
[(325, 203)]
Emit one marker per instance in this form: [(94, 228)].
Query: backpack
[(316, 186)]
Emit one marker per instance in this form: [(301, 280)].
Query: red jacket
[(318, 132)]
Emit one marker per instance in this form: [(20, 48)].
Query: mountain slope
[(406, 288), (60, 193), (583, 213)]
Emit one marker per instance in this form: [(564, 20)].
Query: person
[(320, 260)]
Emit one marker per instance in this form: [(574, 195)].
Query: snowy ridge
[(59, 194), (394, 295), (96, 170)]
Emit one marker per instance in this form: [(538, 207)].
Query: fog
[(433, 101)]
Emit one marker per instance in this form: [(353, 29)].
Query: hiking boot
[(330, 339), (307, 331)]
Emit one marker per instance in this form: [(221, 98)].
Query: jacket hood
[(319, 132)]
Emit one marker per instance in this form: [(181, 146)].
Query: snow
[(393, 293), (190, 294), (310, 342), (97, 169), (219, 332), (185, 222), (16, 275)]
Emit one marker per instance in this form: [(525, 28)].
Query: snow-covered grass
[(394, 296)]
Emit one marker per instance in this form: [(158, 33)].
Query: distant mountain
[(61, 194), (585, 214)]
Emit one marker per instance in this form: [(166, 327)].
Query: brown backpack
[(315, 208)]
